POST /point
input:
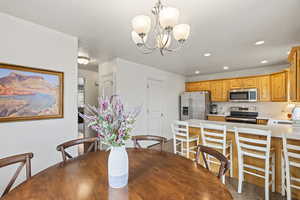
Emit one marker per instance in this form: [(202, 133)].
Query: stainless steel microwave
[(243, 95)]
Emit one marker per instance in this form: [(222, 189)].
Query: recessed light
[(197, 72), (207, 54), (259, 42), (225, 67), (264, 61)]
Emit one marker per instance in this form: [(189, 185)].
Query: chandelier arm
[(156, 27), (167, 40), (147, 48), (144, 50), (180, 46), (144, 44)]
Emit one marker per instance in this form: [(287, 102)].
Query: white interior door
[(154, 107)]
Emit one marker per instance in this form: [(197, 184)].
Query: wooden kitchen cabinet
[(226, 89), (191, 87), (204, 86), (264, 90), (235, 83), (197, 86), (279, 86), (249, 82), (262, 121), (294, 75), (272, 87), (216, 118), (218, 91), (298, 76), (241, 83)]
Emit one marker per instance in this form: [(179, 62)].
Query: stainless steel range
[(242, 115)]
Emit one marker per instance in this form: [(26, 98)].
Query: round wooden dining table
[(153, 175)]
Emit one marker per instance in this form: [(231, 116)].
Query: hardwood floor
[(250, 191)]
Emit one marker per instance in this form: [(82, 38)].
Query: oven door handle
[(240, 119)]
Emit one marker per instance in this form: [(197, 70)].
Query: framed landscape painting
[(30, 94)]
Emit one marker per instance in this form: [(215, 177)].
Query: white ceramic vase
[(118, 167)]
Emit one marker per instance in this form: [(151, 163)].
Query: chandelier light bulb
[(141, 24), (168, 17), (137, 39), (181, 32)]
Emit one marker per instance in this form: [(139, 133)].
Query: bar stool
[(182, 136), (291, 160), (214, 136), (258, 148)]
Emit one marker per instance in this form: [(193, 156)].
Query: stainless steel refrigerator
[(194, 105)]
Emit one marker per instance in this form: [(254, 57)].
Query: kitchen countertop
[(263, 117), (217, 115), (276, 129)]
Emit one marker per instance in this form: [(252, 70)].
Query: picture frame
[(30, 94)]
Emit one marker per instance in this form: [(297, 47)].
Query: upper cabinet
[(243, 83), (191, 87), (235, 83), (264, 90), (218, 90), (204, 86), (294, 74), (249, 82), (271, 87), (279, 86), (197, 86)]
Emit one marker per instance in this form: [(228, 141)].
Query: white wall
[(27, 44), (239, 73), (131, 83)]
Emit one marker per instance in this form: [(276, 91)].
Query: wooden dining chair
[(215, 136), (224, 163), (24, 159), (159, 139), (91, 142)]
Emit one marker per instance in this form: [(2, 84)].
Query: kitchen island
[(276, 143), (276, 130)]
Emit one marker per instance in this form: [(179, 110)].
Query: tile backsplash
[(275, 110)]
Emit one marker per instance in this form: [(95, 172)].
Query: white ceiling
[(225, 28)]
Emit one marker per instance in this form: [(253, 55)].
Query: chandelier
[(83, 60), (165, 25)]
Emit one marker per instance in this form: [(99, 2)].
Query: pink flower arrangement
[(110, 120)]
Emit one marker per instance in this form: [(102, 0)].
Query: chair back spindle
[(24, 160), (224, 163), (92, 142), (159, 139)]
